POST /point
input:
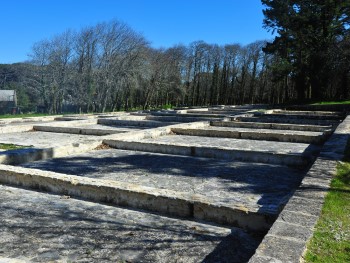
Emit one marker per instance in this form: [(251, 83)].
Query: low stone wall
[(287, 239), (17, 128), (165, 201), (274, 126), (34, 154), (334, 107), (132, 122), (257, 134), (277, 119)]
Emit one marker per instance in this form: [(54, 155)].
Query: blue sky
[(163, 22)]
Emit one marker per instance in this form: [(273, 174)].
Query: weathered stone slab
[(73, 118), (285, 119), (189, 114), (97, 129), (255, 134), (220, 112), (307, 113), (169, 202), (45, 145), (38, 227), (133, 123), (266, 187), (29, 119), (276, 126), (180, 118), (44, 139), (287, 239), (297, 219), (281, 249), (19, 127), (230, 149), (304, 117)]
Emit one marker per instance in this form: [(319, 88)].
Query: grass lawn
[(10, 146), (331, 102), (331, 240), (23, 115)]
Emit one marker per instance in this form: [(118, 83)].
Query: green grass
[(332, 102), (10, 146), (5, 116), (331, 240)]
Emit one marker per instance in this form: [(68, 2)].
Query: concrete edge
[(288, 237)]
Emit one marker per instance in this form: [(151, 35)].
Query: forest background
[(109, 66)]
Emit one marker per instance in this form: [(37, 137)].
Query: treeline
[(110, 67)]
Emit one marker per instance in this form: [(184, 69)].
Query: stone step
[(293, 154), (277, 126), (255, 134)]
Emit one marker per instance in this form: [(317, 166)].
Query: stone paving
[(259, 187), (263, 146), (299, 154), (255, 134), (229, 169), (285, 119), (43, 139), (134, 123), (261, 125), (39, 227), (88, 129)]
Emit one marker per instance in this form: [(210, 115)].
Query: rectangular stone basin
[(310, 113), (257, 186), (274, 126), (39, 227), (297, 154), (43, 145), (248, 195), (179, 118), (277, 119), (254, 134), (39, 139), (94, 129), (133, 123)]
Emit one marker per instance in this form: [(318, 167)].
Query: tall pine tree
[(307, 33)]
